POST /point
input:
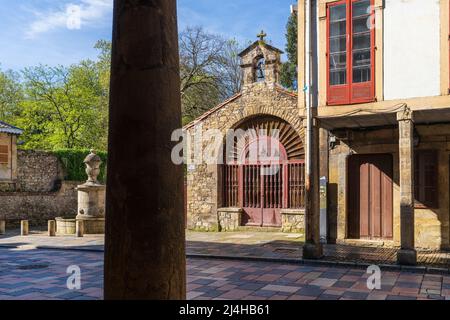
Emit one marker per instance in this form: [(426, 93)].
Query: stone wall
[(203, 180), (39, 206), (38, 171), (229, 218), (39, 192), (293, 220)]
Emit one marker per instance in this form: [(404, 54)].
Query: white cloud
[(72, 16)]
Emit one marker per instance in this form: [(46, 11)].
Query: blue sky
[(37, 31)]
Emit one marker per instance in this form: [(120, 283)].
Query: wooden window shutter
[(4, 154), (426, 178)]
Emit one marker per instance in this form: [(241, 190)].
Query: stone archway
[(264, 170)]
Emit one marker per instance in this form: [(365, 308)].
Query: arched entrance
[(264, 171)]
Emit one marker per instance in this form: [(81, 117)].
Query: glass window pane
[(361, 74), (361, 41), (338, 77), (361, 25), (338, 28), (338, 12), (361, 8), (338, 45), (362, 56)]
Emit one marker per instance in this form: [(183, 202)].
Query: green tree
[(289, 69), (62, 107), (11, 95)]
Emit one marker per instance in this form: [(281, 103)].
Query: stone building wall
[(204, 187), (38, 171), (39, 192), (431, 225)]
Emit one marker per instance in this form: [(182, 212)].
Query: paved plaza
[(32, 274), (35, 267), (271, 246)]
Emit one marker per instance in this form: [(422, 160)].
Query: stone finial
[(405, 115), (93, 162)]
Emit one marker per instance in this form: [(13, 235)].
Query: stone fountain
[(91, 202)]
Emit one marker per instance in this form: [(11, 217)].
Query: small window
[(426, 178), (4, 154)]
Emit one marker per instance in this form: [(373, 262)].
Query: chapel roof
[(259, 43), (7, 128), (278, 88)]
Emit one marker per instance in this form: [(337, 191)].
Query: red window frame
[(425, 180), (351, 93)]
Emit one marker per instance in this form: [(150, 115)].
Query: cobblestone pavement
[(33, 274), (269, 245)]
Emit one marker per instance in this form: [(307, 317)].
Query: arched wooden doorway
[(264, 171)]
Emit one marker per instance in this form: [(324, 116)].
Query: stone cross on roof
[(261, 35)]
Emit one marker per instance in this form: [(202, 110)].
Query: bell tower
[(261, 62)]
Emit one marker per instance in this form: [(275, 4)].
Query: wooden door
[(370, 197)]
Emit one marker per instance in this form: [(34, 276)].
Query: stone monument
[(91, 202), (91, 198)]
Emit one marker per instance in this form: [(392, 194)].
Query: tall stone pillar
[(145, 238), (313, 248), (407, 255)]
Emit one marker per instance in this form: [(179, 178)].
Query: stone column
[(24, 227), (313, 248), (79, 228), (407, 254), (51, 228), (2, 227), (145, 239)]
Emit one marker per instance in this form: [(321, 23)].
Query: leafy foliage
[(289, 69), (65, 102), (74, 167), (66, 107), (10, 95)]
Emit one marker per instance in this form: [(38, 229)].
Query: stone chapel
[(237, 194)]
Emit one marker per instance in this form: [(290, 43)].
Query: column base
[(407, 257), (312, 251)]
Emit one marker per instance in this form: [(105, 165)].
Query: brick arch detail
[(295, 122)]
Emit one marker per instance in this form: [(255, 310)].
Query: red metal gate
[(263, 190), (266, 173)]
